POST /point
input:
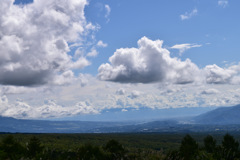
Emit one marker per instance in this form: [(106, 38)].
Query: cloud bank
[(50, 109), (35, 38), (96, 98)]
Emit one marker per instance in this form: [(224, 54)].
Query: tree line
[(10, 149), (227, 149)]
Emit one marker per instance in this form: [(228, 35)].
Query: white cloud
[(108, 10), (169, 89), (223, 3), (218, 75), (235, 80), (188, 15), (15, 90), (92, 53), (50, 109), (120, 91), (80, 63), (34, 40), (93, 98), (210, 91), (83, 79), (101, 44), (183, 47), (135, 94), (65, 78), (124, 110), (148, 63)]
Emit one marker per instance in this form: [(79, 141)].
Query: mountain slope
[(222, 115)]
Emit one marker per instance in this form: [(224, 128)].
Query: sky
[(80, 58)]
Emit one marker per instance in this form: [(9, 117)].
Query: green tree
[(229, 143), (11, 149), (189, 148), (34, 147), (209, 144), (89, 152), (230, 147), (116, 150)]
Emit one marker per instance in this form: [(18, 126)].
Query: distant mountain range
[(222, 115), (42, 126), (220, 119)]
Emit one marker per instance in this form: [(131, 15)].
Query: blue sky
[(214, 26), (93, 57)]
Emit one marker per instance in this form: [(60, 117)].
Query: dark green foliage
[(119, 146), (189, 148), (230, 147), (116, 150), (34, 147), (173, 155), (209, 144), (11, 149), (229, 143), (203, 155), (89, 152)]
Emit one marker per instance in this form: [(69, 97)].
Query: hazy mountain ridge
[(222, 115), (43, 126), (220, 119)]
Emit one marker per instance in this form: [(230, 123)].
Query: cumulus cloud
[(150, 62), (169, 90), (210, 91), (183, 47), (83, 79), (124, 110), (223, 3), (236, 80), (188, 15), (80, 63), (120, 91), (135, 94), (50, 109), (101, 44), (4, 90), (92, 53), (35, 38), (65, 78), (218, 75)]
